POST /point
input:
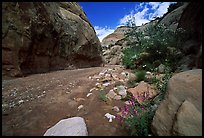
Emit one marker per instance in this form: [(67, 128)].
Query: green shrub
[(101, 95), (158, 42), (162, 85), (140, 75), (129, 57), (131, 83)]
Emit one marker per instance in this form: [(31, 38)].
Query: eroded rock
[(182, 86), (44, 36)]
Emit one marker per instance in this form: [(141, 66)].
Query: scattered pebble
[(101, 73), (80, 107), (106, 84), (127, 102), (20, 102), (107, 75), (117, 97), (110, 117), (97, 84), (88, 94), (4, 105), (92, 89), (116, 109)]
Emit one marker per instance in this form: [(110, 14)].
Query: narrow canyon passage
[(35, 103)]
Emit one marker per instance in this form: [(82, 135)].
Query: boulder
[(122, 91), (188, 121), (45, 36), (182, 86), (74, 126), (143, 91)]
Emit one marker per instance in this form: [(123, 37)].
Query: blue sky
[(107, 16)]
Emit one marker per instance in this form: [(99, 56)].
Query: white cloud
[(154, 4), (102, 32), (137, 17), (161, 10), (144, 12)]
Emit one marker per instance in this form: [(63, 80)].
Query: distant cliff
[(112, 38)]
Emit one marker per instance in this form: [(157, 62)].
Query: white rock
[(80, 107), (124, 74), (88, 94), (101, 74), (92, 89), (74, 126), (148, 73), (110, 117), (106, 84), (21, 101), (107, 75), (127, 102), (109, 69)]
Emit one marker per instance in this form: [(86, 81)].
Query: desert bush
[(158, 42), (102, 96), (136, 118), (140, 75)]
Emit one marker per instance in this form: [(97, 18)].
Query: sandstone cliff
[(112, 38), (171, 19), (191, 20), (45, 36)]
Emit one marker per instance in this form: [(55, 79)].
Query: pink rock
[(143, 91)]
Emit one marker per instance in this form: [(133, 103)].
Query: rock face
[(171, 19), (118, 34), (45, 36), (113, 56), (74, 126), (113, 44), (180, 112), (191, 19)]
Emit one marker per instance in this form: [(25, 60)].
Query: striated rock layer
[(44, 36)]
